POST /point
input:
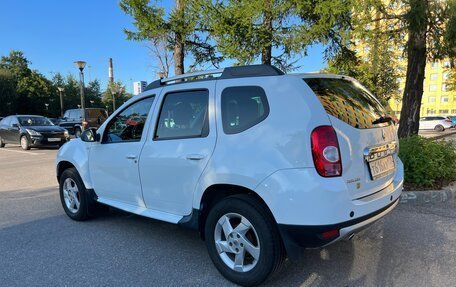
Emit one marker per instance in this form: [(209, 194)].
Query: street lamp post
[(81, 65), (113, 100), (61, 89)]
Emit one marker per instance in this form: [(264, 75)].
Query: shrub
[(428, 164)]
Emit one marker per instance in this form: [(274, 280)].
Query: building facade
[(139, 87)]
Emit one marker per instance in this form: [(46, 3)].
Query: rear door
[(366, 134), (179, 148)]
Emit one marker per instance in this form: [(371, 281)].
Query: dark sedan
[(31, 131)]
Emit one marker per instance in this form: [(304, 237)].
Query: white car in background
[(437, 123)]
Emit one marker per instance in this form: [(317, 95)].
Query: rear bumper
[(298, 236)]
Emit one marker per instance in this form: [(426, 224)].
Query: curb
[(442, 136), (429, 196)]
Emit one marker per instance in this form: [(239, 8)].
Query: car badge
[(383, 135)]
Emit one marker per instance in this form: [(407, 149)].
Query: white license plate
[(381, 167), (54, 139)]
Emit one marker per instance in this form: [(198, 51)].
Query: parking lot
[(41, 246)]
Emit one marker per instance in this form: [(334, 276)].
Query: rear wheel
[(2, 144), (77, 132), (243, 241), (25, 144), (439, 128)]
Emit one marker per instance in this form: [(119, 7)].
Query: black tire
[(2, 144), (25, 143), (83, 211), (77, 132), (439, 128), (271, 250)]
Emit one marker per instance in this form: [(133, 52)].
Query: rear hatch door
[(366, 134)]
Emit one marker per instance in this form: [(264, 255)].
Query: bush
[(428, 164)]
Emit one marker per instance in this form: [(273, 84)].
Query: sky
[(55, 33)]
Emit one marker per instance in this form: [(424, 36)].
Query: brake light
[(85, 124), (325, 151)]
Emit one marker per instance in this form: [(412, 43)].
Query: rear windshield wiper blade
[(384, 119)]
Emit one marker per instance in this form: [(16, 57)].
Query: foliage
[(180, 28), (276, 30), (26, 91), (116, 90), (427, 163)]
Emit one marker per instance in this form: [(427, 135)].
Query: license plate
[(54, 139), (381, 167)]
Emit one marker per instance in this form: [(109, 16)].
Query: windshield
[(349, 102), (34, 121)]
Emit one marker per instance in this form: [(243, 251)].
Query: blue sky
[(55, 33)]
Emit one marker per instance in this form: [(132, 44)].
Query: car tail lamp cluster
[(85, 124), (325, 151)]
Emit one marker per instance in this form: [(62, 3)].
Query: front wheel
[(2, 144), (243, 240), (25, 144), (73, 195)]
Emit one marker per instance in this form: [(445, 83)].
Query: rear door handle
[(131, 157), (195, 157)]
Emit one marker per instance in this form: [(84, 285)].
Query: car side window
[(183, 115), (242, 108), (128, 126)]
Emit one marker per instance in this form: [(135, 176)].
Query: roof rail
[(226, 73)]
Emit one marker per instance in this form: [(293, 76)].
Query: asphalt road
[(41, 246)]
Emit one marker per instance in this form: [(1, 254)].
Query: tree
[(116, 90), (375, 51), (276, 31), (180, 28), (7, 92), (159, 49)]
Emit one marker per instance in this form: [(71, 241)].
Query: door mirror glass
[(90, 135)]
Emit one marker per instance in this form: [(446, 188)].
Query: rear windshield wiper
[(382, 119)]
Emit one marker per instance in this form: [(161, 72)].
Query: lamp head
[(80, 65)]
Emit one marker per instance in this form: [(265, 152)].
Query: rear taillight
[(85, 124), (325, 151)]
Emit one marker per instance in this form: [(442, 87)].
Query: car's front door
[(175, 155), (113, 163)]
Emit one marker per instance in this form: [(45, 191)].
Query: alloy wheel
[(71, 195), (237, 242)]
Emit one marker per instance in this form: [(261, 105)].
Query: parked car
[(31, 131), (259, 162), (437, 123), (453, 119), (72, 120)]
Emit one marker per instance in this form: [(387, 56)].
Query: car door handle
[(131, 157), (195, 157)]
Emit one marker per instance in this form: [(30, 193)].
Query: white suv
[(259, 162)]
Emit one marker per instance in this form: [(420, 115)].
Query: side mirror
[(90, 135), (15, 126)]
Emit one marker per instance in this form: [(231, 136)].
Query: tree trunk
[(179, 45), (266, 53), (416, 64)]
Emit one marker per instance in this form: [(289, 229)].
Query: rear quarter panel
[(281, 141)]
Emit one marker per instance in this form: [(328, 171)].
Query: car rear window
[(349, 102)]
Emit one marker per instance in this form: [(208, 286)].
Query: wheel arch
[(216, 193)]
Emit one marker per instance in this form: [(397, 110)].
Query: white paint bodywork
[(272, 158)]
